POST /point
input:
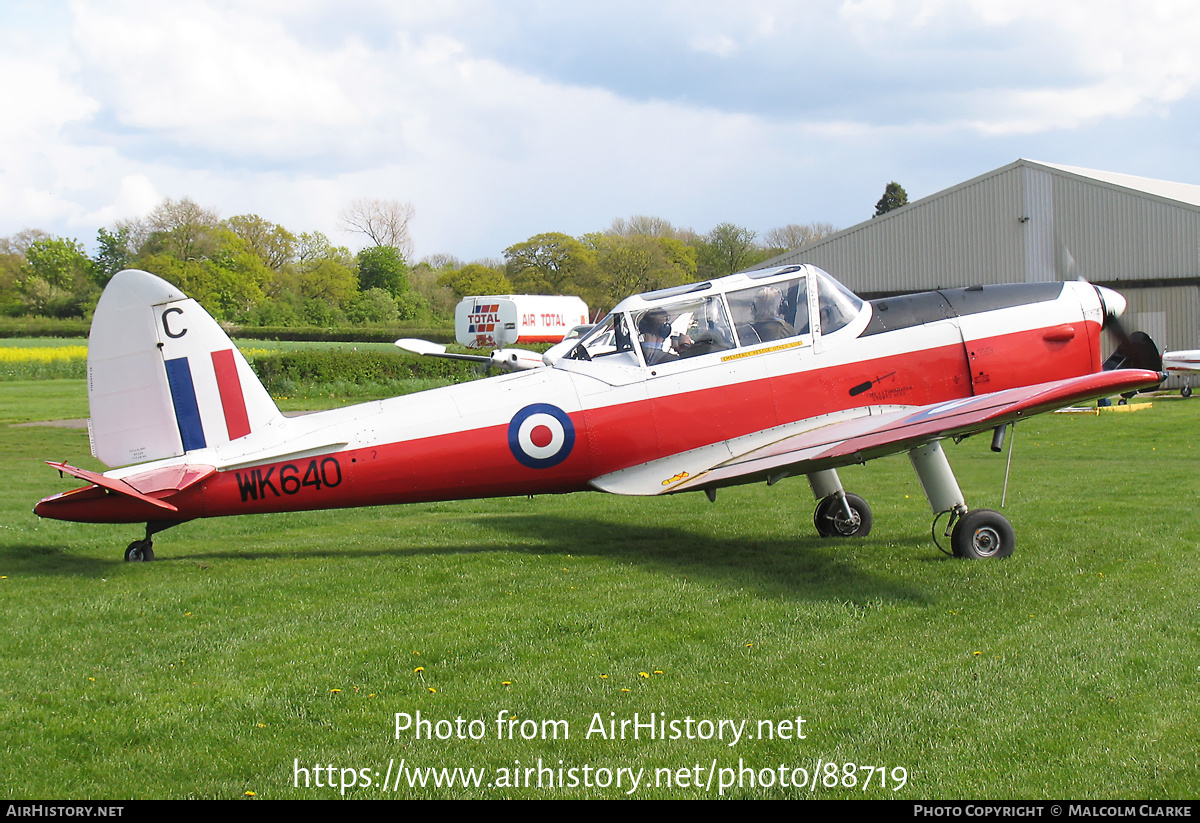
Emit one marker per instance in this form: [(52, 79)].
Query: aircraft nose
[(1114, 302)]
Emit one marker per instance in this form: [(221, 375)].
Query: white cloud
[(699, 112), (220, 78), (720, 45)]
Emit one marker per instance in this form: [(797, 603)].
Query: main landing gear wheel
[(831, 520), (139, 551), (982, 533), (1186, 391)]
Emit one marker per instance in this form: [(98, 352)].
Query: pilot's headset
[(655, 323)]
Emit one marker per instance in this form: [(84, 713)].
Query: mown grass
[(1069, 671)]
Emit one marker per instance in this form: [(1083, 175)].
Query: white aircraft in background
[(1182, 362)]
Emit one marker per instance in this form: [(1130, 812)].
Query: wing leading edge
[(858, 435)]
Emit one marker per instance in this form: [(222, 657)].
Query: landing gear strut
[(849, 516), (839, 514), (978, 534)]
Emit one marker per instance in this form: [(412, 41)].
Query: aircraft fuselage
[(555, 429)]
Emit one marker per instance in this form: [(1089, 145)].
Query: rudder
[(163, 378)]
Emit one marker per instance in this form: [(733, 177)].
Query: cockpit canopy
[(739, 311)]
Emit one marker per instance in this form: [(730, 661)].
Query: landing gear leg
[(142, 551), (839, 514), (973, 534)]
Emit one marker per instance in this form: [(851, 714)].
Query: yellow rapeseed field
[(42, 354)]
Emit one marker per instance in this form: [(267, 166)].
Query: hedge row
[(281, 372), (339, 335), (42, 327), (73, 327)]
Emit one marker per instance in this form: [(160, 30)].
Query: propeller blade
[(1135, 350), (428, 349), (510, 359)]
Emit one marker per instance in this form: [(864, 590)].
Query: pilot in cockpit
[(657, 344), (768, 315)]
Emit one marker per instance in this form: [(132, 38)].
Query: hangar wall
[(1030, 222)]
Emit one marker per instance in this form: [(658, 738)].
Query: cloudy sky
[(502, 119)]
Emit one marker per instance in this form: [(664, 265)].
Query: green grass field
[(257, 646)]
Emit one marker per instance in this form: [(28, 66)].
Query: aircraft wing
[(858, 435)]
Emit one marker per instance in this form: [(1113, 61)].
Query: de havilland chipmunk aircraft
[(753, 377)]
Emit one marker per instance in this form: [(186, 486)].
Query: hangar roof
[(1181, 192)]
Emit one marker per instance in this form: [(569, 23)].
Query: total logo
[(541, 435), (483, 318)]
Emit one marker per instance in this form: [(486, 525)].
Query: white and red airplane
[(753, 377), (1182, 362)]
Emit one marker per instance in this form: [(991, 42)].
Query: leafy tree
[(423, 279), (313, 247), (323, 313), (550, 263), (412, 306), (230, 283), (181, 229), (629, 264), (475, 279), (893, 198), (114, 254), (327, 279), (373, 306), (58, 279), (383, 267), (273, 244), (727, 249)]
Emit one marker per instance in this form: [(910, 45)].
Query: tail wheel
[(831, 519), (981, 534), (139, 551)]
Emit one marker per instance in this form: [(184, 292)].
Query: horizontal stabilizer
[(120, 486), (153, 488)]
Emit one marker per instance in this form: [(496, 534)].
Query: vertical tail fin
[(163, 378)]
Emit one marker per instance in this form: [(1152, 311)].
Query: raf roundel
[(541, 436)]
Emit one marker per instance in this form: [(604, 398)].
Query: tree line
[(249, 271)]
